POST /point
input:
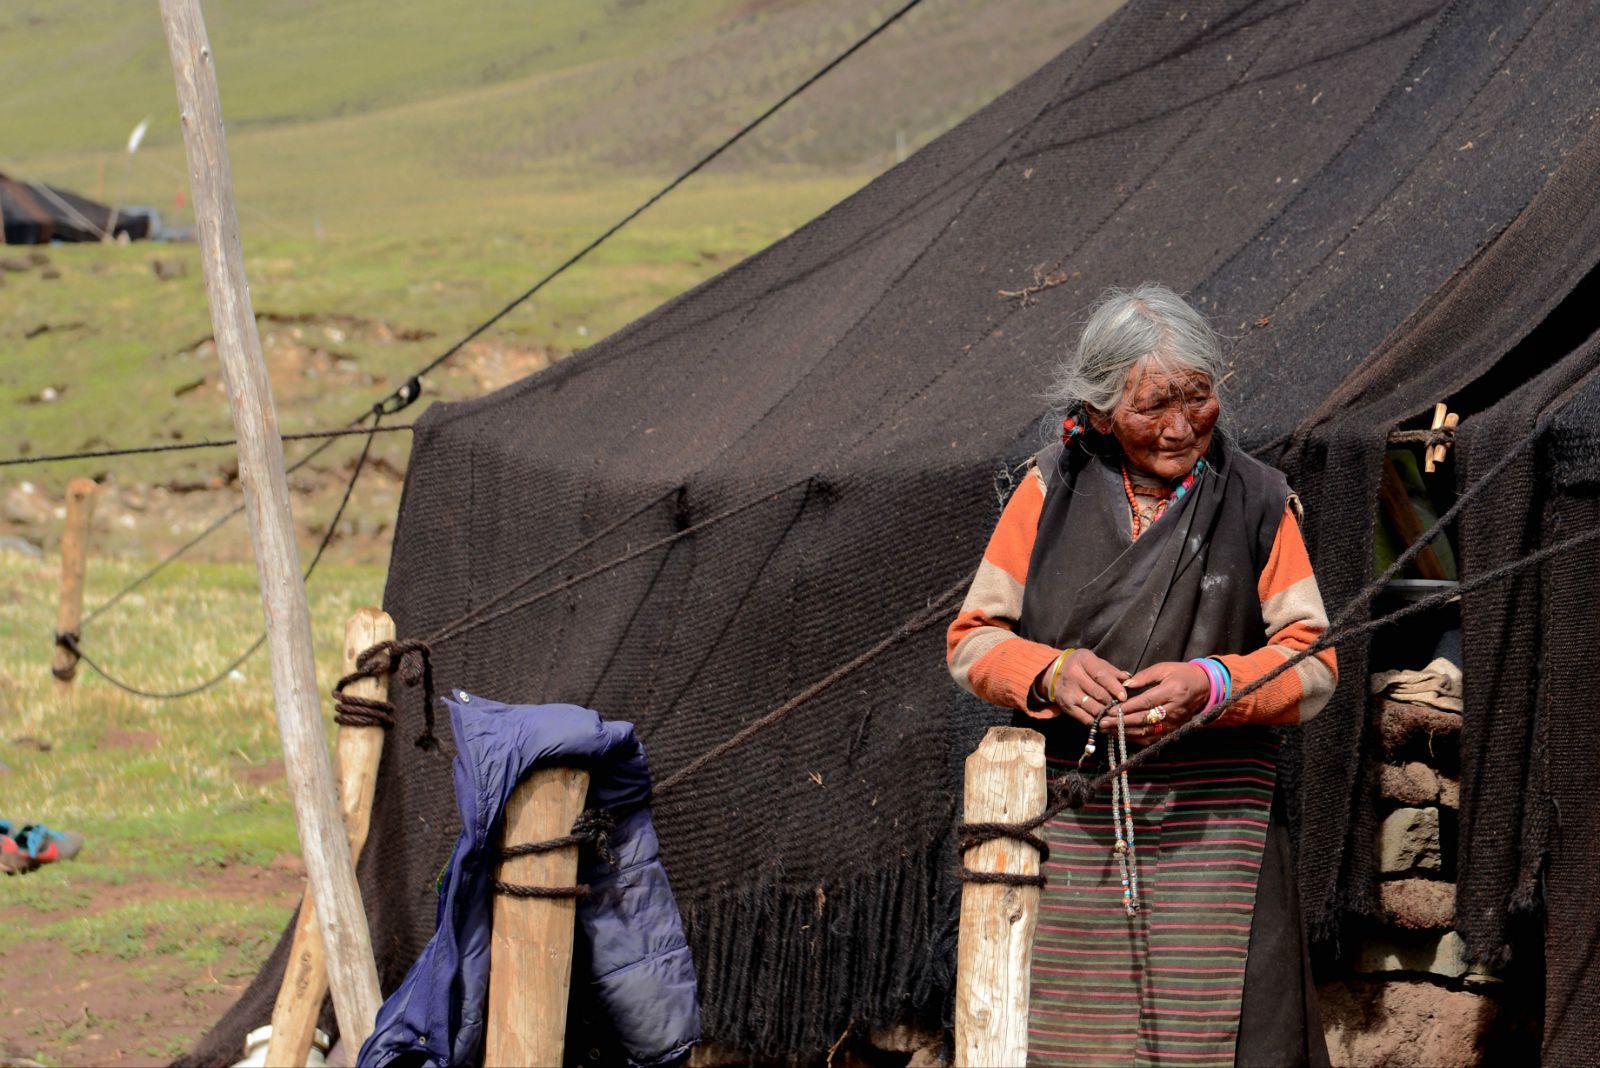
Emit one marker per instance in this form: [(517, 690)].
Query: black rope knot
[(593, 826), (400, 399), (972, 835), (1074, 789), (67, 640), (409, 659)]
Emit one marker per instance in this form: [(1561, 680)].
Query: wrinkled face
[(1165, 421)]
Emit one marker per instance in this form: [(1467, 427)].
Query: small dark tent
[(1386, 204), (37, 214)]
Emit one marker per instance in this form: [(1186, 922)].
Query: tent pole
[(305, 977), (530, 949), (74, 563), (343, 922), (994, 949)]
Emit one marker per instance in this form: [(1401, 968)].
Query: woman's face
[(1165, 421)]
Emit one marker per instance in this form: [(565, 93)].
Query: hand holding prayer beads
[(1180, 691), (1079, 683)]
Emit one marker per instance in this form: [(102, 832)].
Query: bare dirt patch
[(116, 738), (257, 774), (60, 1007)]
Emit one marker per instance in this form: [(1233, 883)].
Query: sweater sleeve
[(983, 651), (1292, 611)]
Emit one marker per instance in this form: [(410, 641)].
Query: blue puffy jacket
[(640, 966)]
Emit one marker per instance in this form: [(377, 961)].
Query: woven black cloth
[(1376, 200)]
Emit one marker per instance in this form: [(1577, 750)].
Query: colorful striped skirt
[(1164, 986)]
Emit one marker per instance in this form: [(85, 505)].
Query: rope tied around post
[(593, 825), (67, 640), (412, 660), (973, 835)]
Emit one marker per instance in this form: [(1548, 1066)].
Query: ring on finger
[(1155, 715), (1084, 700)]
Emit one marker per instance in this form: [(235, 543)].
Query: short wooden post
[(530, 955), (74, 565), (1005, 784), (352, 973), (305, 978)]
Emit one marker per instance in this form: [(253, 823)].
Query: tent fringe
[(784, 968)]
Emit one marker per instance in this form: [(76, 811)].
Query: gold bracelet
[(1055, 673)]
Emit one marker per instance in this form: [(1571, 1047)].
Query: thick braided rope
[(412, 660), (594, 825)]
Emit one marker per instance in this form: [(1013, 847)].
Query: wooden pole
[(530, 954), (74, 564), (1005, 784), (352, 974), (305, 978)]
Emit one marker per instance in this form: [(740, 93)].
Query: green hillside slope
[(403, 167)]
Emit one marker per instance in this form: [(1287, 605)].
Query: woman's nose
[(1178, 425)]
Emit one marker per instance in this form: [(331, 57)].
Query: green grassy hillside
[(402, 167)]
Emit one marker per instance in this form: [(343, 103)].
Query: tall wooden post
[(305, 977), (352, 973), (530, 954), (1005, 784), (74, 565)]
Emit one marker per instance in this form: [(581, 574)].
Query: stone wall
[(1402, 993)]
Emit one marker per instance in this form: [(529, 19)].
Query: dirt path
[(64, 1008)]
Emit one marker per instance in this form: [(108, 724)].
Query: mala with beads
[(1121, 806), (1122, 818)]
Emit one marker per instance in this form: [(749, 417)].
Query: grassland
[(190, 867)]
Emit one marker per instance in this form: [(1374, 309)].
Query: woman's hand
[(1084, 688), (1180, 690)]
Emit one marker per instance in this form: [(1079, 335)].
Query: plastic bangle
[(1209, 667)]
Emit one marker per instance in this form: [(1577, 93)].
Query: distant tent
[(37, 214), (1387, 204)]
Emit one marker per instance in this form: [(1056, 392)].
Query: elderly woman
[(1144, 571)]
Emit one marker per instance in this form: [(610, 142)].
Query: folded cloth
[(639, 964), (1438, 685)]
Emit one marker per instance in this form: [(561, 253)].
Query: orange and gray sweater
[(987, 657)]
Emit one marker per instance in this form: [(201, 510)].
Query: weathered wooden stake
[(1440, 412), (530, 955), (352, 974), (305, 978), (74, 564), (1005, 784)]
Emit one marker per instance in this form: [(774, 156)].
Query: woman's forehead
[(1148, 377)]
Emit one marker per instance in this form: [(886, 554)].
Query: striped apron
[(1164, 986)]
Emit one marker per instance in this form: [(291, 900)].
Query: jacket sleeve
[(983, 651), (1294, 618)]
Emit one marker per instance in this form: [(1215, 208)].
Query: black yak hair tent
[(36, 214), (1384, 205)]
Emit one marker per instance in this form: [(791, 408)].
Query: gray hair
[(1126, 328)]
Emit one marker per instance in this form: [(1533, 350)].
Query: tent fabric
[(1356, 193), (37, 214)]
